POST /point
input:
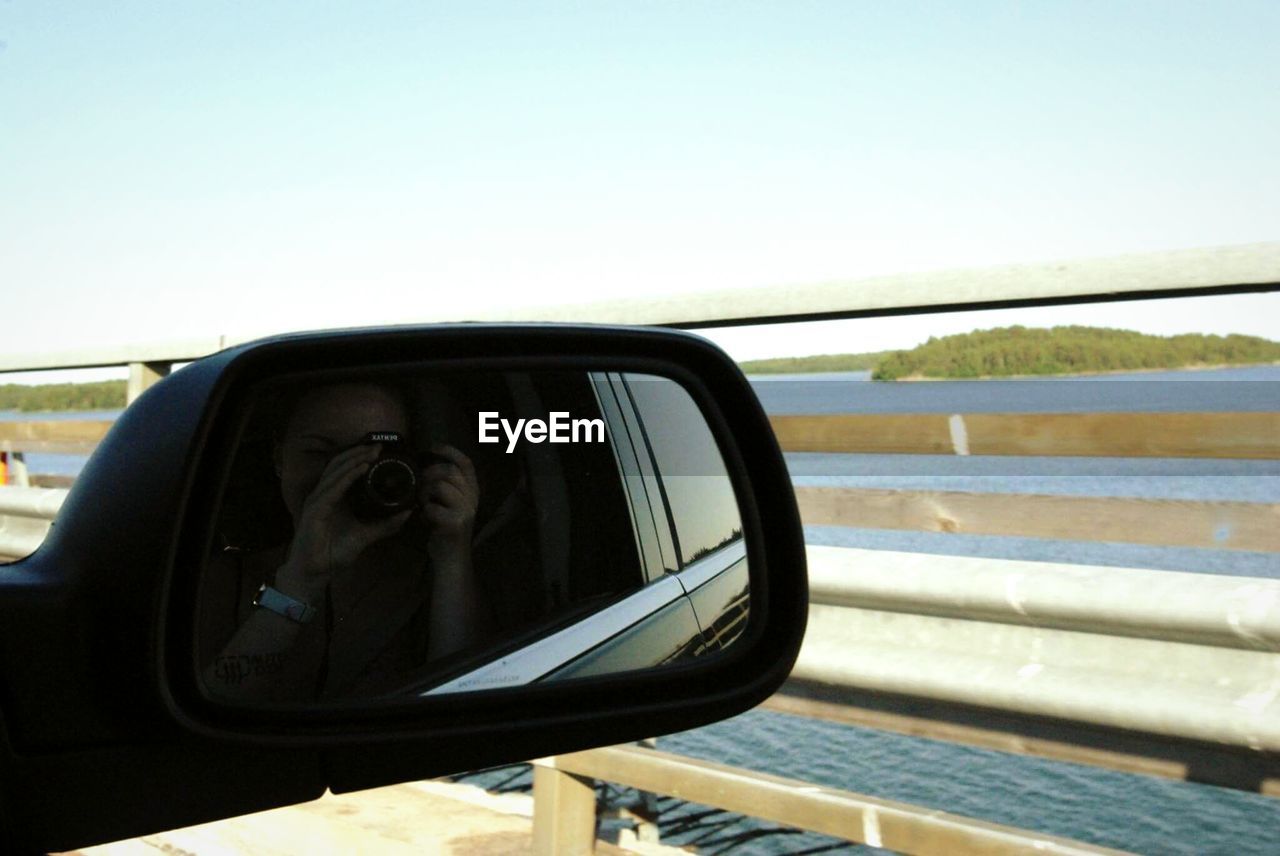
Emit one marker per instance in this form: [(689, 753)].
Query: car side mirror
[(340, 560), (392, 534)]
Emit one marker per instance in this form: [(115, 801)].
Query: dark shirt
[(363, 647)]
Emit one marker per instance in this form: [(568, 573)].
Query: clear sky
[(177, 169)]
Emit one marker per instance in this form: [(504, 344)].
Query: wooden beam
[(901, 827), (564, 813), (1158, 435), (63, 437), (1165, 522), (792, 699), (1204, 435), (1001, 741)]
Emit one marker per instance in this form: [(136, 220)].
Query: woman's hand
[(449, 496), (327, 535)]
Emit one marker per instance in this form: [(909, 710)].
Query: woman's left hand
[(449, 495)]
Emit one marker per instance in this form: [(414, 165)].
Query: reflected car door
[(652, 625), (700, 513)]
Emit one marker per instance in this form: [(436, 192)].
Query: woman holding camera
[(352, 601)]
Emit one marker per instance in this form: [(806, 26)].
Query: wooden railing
[(1095, 435), (1175, 523), (1160, 522), (564, 819)]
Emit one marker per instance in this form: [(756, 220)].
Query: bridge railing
[(910, 642), (1056, 640), (1220, 525)]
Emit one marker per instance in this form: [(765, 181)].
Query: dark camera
[(390, 485)]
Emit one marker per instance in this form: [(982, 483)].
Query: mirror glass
[(398, 535)]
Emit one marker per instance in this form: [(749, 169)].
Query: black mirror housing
[(96, 645)]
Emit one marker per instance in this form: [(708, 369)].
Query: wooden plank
[(1206, 435), (1002, 741), (872, 433), (1164, 522), (901, 827), (987, 738), (1160, 435), (53, 480), (53, 436)]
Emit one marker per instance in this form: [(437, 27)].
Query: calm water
[(1114, 809)]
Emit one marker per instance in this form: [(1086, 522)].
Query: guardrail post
[(142, 375), (564, 812)]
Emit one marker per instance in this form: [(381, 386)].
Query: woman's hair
[(253, 514), (279, 409)]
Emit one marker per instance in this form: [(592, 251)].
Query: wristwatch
[(281, 604)]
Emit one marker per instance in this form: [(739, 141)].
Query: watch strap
[(280, 603)]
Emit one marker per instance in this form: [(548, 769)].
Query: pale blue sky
[(177, 169)]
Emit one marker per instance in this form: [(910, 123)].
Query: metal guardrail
[(38, 503), (1201, 270), (1063, 641), (1172, 606), (25, 515)]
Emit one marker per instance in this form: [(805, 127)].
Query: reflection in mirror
[(388, 536)]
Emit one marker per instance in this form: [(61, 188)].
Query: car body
[(102, 666)]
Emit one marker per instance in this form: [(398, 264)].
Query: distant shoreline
[(921, 379), (31, 413), (1199, 367)]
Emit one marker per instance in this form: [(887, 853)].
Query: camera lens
[(390, 482)]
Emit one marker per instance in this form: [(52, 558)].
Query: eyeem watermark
[(558, 428)]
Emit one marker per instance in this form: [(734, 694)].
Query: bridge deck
[(412, 818)]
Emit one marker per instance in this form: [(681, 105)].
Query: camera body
[(390, 484)]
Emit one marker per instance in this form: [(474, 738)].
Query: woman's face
[(326, 421)]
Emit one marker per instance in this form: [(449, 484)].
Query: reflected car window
[(694, 481)]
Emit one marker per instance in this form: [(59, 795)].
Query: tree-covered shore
[(1015, 351), (102, 395), (1021, 351), (999, 352)]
